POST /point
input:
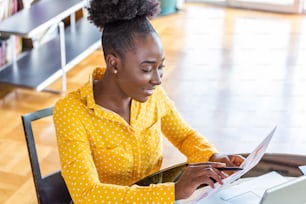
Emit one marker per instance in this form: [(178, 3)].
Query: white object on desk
[(243, 191), (251, 161), (256, 186), (270, 188), (291, 192), (303, 169)]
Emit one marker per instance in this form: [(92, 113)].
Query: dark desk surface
[(285, 164), (40, 16)]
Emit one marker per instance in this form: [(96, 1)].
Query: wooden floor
[(233, 75)]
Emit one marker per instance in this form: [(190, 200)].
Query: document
[(251, 161), (303, 169), (256, 185)]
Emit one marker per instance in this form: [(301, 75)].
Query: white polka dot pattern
[(102, 156)]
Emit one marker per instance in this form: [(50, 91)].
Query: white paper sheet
[(251, 161), (303, 169), (256, 185)]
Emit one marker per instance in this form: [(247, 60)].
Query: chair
[(50, 189)]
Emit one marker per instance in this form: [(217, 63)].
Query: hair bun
[(102, 12)]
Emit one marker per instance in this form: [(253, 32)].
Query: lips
[(149, 91)]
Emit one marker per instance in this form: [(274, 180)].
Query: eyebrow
[(151, 62)]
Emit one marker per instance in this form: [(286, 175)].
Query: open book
[(250, 162)]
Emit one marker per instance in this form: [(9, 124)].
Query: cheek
[(139, 78), (133, 80), (145, 77)]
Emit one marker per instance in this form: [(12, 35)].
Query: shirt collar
[(87, 90)]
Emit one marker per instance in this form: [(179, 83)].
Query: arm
[(188, 141), (182, 136), (79, 170)]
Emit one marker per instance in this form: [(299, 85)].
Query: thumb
[(218, 164)]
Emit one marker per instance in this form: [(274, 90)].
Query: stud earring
[(115, 71)]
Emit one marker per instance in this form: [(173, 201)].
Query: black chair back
[(50, 189)]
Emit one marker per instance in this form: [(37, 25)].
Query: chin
[(141, 99)]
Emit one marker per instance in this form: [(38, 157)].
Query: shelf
[(39, 67), (40, 16)]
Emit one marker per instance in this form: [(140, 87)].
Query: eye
[(147, 69)]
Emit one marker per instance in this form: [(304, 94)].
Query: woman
[(109, 131)]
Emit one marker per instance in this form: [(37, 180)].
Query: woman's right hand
[(196, 175)]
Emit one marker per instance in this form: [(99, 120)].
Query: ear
[(112, 62)]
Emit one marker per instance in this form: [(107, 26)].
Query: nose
[(156, 77)]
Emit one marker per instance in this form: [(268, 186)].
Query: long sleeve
[(79, 169), (194, 146)]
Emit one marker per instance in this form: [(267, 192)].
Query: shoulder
[(70, 106)]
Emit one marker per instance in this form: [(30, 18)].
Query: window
[(282, 2), (284, 6)]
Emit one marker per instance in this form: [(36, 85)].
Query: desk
[(285, 164)]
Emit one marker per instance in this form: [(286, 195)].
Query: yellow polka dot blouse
[(102, 155)]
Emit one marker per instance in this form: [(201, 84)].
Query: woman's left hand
[(229, 160)]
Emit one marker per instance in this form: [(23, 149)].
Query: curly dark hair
[(121, 20)]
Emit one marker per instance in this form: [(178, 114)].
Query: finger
[(208, 181), (212, 173), (215, 164), (206, 171), (220, 173), (225, 159), (203, 169), (237, 160), (233, 160), (228, 161), (218, 164), (216, 178), (223, 175)]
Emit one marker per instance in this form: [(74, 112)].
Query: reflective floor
[(237, 74)]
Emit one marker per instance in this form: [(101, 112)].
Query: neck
[(107, 95)]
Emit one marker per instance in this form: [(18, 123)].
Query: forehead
[(147, 46)]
